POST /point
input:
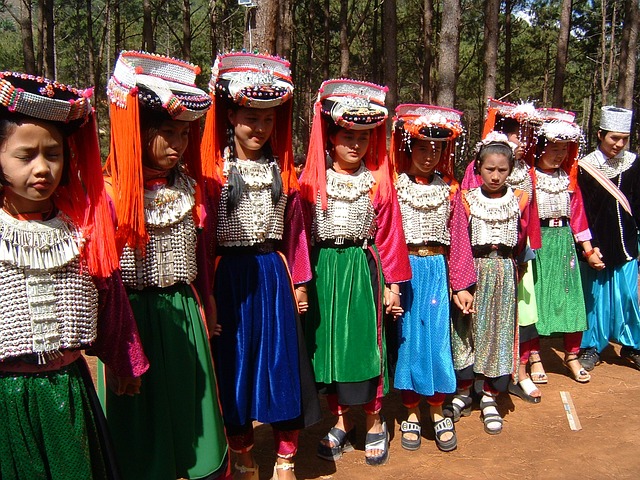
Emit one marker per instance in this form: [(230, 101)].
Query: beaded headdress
[(616, 119), (424, 122), (82, 197), (151, 82), (352, 105), (162, 84), (252, 80), (559, 127)]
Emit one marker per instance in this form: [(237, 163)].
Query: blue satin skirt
[(425, 363), (257, 353), (611, 299)]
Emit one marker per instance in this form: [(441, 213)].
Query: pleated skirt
[(173, 428), (425, 363)]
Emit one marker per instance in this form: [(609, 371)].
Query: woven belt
[(427, 250), (346, 243), (268, 246), (554, 222)]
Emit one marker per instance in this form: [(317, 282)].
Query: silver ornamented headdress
[(616, 119), (353, 104)]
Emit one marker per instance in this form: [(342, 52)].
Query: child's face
[(553, 155), (425, 155), (350, 146), (166, 147), (252, 128), (32, 161), (494, 171)]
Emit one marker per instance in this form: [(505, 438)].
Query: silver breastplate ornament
[(493, 221), (552, 194)]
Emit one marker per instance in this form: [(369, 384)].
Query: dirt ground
[(536, 441)]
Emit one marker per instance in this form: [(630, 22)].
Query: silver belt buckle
[(555, 222)]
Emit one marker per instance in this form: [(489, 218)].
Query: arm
[(295, 241)]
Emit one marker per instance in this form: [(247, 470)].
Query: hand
[(595, 259), (392, 300), (213, 327), (464, 301), (123, 385), (302, 299)]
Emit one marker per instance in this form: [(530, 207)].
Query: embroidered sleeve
[(462, 271), (295, 240), (118, 344), (390, 239)]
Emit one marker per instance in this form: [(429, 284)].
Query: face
[(494, 172), (425, 155), (553, 155), (612, 143), (166, 147), (350, 146), (252, 128), (515, 139), (32, 160)]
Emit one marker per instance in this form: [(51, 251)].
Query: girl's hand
[(392, 300), (595, 259), (123, 385), (464, 301), (302, 299), (214, 328)]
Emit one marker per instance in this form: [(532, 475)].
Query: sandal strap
[(442, 426), (336, 436), (377, 441), (528, 386), (285, 466), (242, 469), (410, 427)]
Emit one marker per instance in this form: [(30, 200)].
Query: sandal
[(343, 442), (440, 428), (281, 466), (460, 406), (242, 469), (414, 428), (581, 376), (490, 415), (377, 441), (538, 377), (524, 389)]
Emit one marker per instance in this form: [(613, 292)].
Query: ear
[(231, 116)]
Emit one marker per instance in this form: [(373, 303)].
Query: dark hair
[(540, 146), (507, 125), (494, 148), (8, 124), (299, 159), (235, 182)]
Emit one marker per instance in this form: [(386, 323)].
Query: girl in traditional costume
[(174, 428), (519, 123), (563, 223), (261, 251), (62, 290), (435, 227), (486, 344), (359, 257)]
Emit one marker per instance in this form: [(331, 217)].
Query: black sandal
[(440, 428), (342, 442), (488, 418), (377, 441), (410, 427), (460, 406)]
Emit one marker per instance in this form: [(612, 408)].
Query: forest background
[(570, 54)]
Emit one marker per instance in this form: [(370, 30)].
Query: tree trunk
[(344, 39), (508, 7), (47, 44), (148, 42), (562, 55), (26, 21), (427, 45), (186, 30), (326, 53), (93, 75), (606, 68), (284, 37), (265, 17), (449, 52), (390, 32), (213, 20), (628, 54), (490, 46)]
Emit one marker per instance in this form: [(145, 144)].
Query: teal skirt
[(558, 284), (173, 428), (47, 428), (343, 326)]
